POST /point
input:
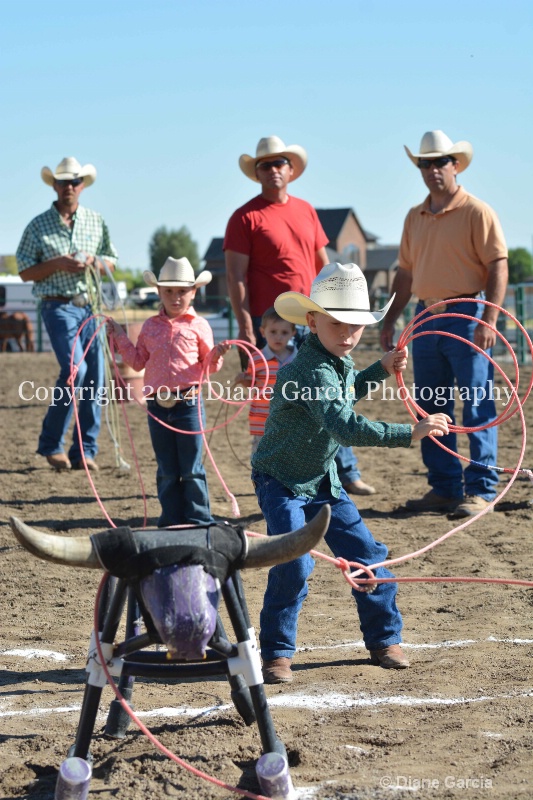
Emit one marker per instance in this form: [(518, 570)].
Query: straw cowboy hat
[(270, 146), (436, 143), (67, 170), (177, 272), (340, 291)]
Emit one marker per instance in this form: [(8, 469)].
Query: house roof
[(382, 257), (332, 220), (215, 252)]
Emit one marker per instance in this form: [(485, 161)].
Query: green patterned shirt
[(311, 414), (47, 236)]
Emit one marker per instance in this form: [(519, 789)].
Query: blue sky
[(163, 96)]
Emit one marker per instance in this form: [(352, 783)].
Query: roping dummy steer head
[(177, 577), (176, 573)]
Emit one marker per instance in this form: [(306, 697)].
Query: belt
[(442, 306), (57, 298), (170, 400)]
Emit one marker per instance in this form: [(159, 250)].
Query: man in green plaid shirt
[(55, 251)]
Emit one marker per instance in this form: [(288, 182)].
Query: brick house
[(347, 242)]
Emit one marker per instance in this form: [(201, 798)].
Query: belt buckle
[(439, 309), (80, 300), (167, 402)]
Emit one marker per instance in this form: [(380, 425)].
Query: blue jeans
[(181, 478), (347, 537), (62, 322), (439, 362)]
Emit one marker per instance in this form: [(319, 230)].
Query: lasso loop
[(354, 578), (370, 582)]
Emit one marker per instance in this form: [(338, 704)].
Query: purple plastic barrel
[(274, 778), (73, 780)]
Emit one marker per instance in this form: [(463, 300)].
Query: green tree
[(8, 265), (520, 265), (130, 278), (175, 243)]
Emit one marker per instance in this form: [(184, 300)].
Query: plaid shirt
[(47, 236)]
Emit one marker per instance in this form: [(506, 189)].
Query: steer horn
[(271, 550), (70, 550), (262, 552)]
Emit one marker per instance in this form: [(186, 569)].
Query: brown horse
[(15, 326)]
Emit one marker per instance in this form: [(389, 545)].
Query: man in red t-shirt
[(274, 244)]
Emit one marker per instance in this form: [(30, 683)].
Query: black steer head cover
[(133, 554)]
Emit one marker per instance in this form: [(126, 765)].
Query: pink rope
[(405, 338), (356, 582), (71, 379), (354, 579)]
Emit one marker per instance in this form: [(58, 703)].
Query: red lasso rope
[(352, 578), (407, 336)]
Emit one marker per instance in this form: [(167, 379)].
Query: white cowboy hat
[(67, 170), (340, 291), (436, 143), (177, 272), (270, 146)]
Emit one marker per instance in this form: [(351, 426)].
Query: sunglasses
[(441, 161), (278, 163), (72, 182)]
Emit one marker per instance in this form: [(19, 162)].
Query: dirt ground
[(456, 724)]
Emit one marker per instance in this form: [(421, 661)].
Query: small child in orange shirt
[(278, 351)]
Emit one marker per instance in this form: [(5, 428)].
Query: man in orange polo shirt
[(452, 246)]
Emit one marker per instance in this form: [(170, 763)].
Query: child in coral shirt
[(172, 348)]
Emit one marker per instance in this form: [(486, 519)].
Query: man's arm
[(494, 293), (321, 259), (401, 286), (236, 276), (42, 270)]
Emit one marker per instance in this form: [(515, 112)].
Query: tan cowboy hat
[(340, 291), (177, 272), (67, 170), (271, 146), (436, 143)]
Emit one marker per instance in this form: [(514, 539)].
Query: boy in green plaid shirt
[(294, 472)]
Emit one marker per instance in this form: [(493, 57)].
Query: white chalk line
[(333, 701), (35, 712), (414, 646), (33, 653)]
